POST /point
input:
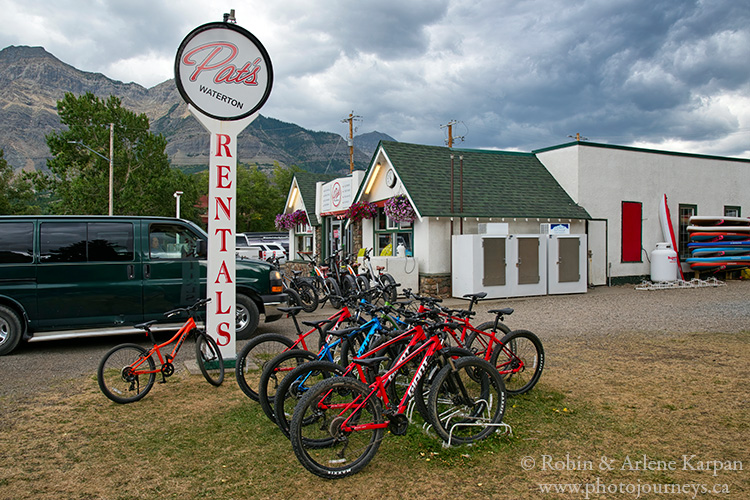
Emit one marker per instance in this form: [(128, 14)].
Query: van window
[(171, 241), (16, 242), (82, 242), (110, 241), (62, 242)]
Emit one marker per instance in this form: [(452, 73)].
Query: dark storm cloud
[(515, 74)]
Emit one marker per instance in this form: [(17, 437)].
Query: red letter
[(220, 138), (216, 49), (222, 331), (223, 237), (223, 270), (223, 172), (218, 305), (224, 208)]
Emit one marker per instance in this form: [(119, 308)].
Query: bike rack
[(500, 426)]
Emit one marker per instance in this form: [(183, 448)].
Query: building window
[(632, 231), (303, 236), (389, 234), (732, 211), (686, 211)]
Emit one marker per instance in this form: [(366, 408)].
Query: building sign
[(225, 75), (223, 71), (336, 195)]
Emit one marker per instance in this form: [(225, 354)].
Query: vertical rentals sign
[(225, 75)]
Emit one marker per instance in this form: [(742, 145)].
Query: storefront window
[(304, 238), (389, 234)]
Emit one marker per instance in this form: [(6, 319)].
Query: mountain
[(32, 81)]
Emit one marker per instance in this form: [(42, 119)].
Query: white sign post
[(225, 75)]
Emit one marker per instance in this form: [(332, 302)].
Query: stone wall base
[(435, 285)]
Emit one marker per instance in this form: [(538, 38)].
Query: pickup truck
[(244, 250)]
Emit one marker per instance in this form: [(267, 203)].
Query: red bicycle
[(263, 348), (127, 372), (339, 423)]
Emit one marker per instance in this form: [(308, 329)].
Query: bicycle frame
[(180, 337), (378, 388)]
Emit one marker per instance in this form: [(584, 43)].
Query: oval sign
[(223, 71)]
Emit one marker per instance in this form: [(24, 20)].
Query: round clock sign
[(223, 71), (390, 178)]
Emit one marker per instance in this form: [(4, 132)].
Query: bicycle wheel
[(209, 358), (320, 434), (295, 384), (423, 385), (307, 295), (519, 358), (348, 285), (363, 284), (252, 357), (117, 378), (389, 288), (274, 371), (334, 293), (479, 343), (293, 297), (466, 398)]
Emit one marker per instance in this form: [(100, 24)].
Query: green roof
[(495, 183), (306, 182)]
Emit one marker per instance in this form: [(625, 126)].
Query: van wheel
[(10, 330), (247, 317)]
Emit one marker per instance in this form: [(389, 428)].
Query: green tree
[(78, 180), (260, 196), (16, 193)]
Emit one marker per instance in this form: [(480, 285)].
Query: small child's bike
[(128, 371)]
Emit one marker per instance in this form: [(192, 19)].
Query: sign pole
[(222, 223)]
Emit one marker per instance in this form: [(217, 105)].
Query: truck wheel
[(247, 317), (10, 330)]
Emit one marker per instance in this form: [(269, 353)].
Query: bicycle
[(339, 347), (303, 292), (260, 350), (324, 284), (378, 278), (127, 372), (518, 355), (338, 425)]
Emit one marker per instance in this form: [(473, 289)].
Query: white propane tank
[(663, 263)]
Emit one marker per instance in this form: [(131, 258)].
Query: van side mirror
[(201, 249)]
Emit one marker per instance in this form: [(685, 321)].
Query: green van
[(76, 276)]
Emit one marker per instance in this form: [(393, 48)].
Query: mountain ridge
[(32, 80)]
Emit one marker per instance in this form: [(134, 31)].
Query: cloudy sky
[(514, 75)]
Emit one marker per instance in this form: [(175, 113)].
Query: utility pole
[(449, 126), (351, 119)]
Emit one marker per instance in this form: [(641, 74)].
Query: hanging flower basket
[(361, 210), (399, 209), (288, 221)]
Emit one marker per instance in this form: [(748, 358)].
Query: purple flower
[(288, 221), (399, 209)]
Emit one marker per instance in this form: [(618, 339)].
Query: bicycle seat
[(297, 273), (379, 268), (144, 326), (343, 332), (475, 296), (294, 310), (504, 312), (371, 363)]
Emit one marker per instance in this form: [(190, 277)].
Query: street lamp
[(177, 195), (110, 160)]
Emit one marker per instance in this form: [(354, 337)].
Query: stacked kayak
[(719, 243)]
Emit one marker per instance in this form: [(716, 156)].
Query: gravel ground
[(597, 315)]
